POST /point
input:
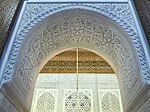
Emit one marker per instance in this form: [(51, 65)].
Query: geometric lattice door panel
[(45, 100), (81, 101), (110, 101)]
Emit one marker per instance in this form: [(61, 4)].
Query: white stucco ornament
[(45, 27)]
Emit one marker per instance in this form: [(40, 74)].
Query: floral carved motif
[(81, 30), (81, 101), (74, 31)]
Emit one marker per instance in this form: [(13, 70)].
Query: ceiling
[(66, 62)]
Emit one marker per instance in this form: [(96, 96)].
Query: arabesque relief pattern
[(96, 92), (78, 102), (73, 31), (109, 101), (76, 30), (46, 102)]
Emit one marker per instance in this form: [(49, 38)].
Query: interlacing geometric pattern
[(45, 100), (76, 26), (109, 101), (88, 62), (119, 12), (70, 67), (81, 101), (46, 103), (78, 101), (75, 30), (92, 92), (82, 29)]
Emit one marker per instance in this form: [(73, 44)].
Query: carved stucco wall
[(7, 11), (109, 101), (79, 29), (8, 7), (97, 93), (143, 7), (46, 100), (57, 33)]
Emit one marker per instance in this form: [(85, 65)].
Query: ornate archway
[(47, 29)]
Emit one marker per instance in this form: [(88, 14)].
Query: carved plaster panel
[(78, 102), (82, 29), (119, 12), (74, 30), (109, 101), (37, 39), (46, 100), (92, 89)]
